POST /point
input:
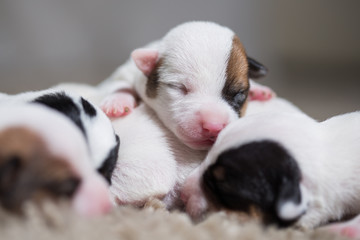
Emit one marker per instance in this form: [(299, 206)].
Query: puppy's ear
[(145, 59), (256, 69)]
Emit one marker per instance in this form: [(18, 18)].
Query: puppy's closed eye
[(65, 188), (181, 88)]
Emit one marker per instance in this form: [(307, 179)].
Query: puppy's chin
[(198, 144), (195, 139)]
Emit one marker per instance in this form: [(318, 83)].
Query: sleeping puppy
[(293, 169), (43, 155), (103, 144), (196, 79)]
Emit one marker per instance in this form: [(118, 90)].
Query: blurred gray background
[(312, 48)]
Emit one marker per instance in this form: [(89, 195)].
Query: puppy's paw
[(193, 197), (118, 104), (260, 93)]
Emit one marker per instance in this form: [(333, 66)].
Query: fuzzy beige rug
[(59, 222)]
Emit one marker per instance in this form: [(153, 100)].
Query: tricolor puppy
[(196, 79), (103, 143), (292, 168), (43, 155)]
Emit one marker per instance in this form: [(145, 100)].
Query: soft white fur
[(63, 139), (327, 154), (152, 161), (99, 132)]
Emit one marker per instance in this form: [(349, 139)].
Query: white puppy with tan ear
[(196, 79)]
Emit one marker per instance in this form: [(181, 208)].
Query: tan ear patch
[(236, 76)]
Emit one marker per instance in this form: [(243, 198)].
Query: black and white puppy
[(103, 143), (293, 169)]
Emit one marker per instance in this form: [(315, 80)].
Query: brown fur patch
[(28, 171), (237, 80), (152, 84)]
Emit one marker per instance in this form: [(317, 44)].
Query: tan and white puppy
[(196, 79), (292, 168), (43, 154)]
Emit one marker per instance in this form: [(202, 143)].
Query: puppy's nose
[(213, 128), (213, 120)]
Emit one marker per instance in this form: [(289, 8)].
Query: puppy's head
[(196, 80), (44, 155), (102, 141), (260, 174), (28, 171)]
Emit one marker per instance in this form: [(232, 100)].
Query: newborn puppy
[(45, 155), (103, 144), (292, 168), (196, 79)]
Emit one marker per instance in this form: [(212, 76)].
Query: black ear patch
[(261, 174), (256, 69), (88, 108), (109, 163), (64, 104)]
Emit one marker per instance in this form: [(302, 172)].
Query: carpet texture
[(59, 222)]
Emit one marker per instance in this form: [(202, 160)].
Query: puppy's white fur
[(152, 161)]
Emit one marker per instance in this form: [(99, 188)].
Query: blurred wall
[(311, 47)]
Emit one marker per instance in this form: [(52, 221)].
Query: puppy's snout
[(212, 128), (213, 120)]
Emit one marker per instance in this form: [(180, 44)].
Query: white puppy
[(196, 79), (292, 168), (43, 154)]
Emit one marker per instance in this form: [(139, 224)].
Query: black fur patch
[(256, 69), (260, 174), (64, 104), (88, 108), (109, 163)]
